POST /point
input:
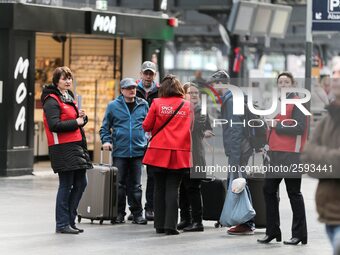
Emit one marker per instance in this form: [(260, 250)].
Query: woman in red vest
[(169, 153), (286, 137), (67, 147)]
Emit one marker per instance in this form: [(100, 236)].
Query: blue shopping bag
[(237, 208)]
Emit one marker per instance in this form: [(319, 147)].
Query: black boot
[(269, 238)]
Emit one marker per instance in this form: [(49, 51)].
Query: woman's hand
[(82, 113), (107, 146)]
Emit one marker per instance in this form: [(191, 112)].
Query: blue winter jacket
[(236, 145), (124, 130)]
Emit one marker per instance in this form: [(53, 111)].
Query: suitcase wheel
[(79, 219), (217, 224), (91, 221), (101, 222)]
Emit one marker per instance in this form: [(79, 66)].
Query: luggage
[(100, 198), (213, 195)]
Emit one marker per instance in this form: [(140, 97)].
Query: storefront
[(100, 48)]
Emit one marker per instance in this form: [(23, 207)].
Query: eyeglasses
[(193, 93)]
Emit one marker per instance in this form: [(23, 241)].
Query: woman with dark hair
[(168, 155), (67, 147), (286, 141), (190, 199)]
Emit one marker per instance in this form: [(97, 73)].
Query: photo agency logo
[(279, 97)]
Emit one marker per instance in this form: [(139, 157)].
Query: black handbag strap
[(168, 120)]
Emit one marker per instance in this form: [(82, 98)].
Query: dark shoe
[(67, 230), (120, 219), (268, 239), (160, 230), (149, 215), (139, 220), (240, 230), (79, 229), (171, 232), (183, 224), (130, 217), (295, 241), (194, 227)]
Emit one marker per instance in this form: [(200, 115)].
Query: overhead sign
[(326, 15)]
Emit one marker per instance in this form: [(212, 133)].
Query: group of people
[(162, 127)]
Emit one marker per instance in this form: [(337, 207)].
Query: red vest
[(67, 112), (287, 143)]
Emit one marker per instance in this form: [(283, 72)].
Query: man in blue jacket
[(236, 145), (122, 132)]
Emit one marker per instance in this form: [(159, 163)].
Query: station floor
[(27, 226)]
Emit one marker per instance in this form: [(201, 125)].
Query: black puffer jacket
[(66, 156)]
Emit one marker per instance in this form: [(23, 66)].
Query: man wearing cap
[(235, 142), (148, 89), (122, 132)]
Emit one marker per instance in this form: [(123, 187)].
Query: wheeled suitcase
[(100, 198), (213, 195)]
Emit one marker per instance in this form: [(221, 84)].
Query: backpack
[(256, 129)]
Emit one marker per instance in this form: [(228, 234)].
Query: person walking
[(322, 151), (190, 200), (148, 89), (168, 155), (67, 146), (122, 132), (286, 141)]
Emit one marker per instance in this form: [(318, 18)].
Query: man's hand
[(208, 134), (107, 146)]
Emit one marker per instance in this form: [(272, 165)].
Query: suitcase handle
[(101, 156)]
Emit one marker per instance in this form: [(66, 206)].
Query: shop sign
[(21, 69), (326, 15), (104, 24)]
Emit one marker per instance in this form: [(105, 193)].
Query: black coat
[(66, 156)]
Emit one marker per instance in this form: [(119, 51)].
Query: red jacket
[(171, 147), (288, 139), (67, 112)]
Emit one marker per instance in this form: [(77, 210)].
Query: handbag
[(237, 208), (164, 124)]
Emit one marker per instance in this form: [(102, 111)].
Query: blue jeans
[(71, 187), (129, 184), (333, 232)]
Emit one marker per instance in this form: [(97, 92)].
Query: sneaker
[(139, 220), (240, 230), (120, 219)]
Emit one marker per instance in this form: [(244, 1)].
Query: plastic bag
[(238, 185), (237, 208)]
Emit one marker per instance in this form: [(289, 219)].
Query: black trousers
[(166, 191), (149, 190), (293, 186), (190, 199)]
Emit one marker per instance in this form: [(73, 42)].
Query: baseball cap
[(148, 65), (127, 82), (219, 76)]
